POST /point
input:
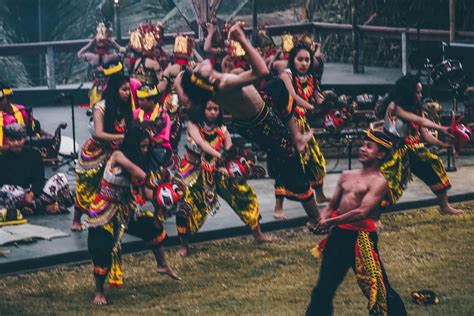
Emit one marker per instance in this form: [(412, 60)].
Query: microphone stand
[(73, 156)]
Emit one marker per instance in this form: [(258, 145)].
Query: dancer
[(253, 114), (103, 56), (183, 49), (156, 121), (408, 130), (145, 41), (301, 85), (111, 118), (208, 139), (114, 212), (352, 242)]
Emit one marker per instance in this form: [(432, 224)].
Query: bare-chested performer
[(352, 242), (254, 114)]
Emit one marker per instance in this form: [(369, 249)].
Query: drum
[(447, 75)]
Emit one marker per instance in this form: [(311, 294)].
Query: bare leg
[(445, 207), (279, 213), (184, 247), (163, 266), (259, 236), (99, 298), (311, 208), (76, 225), (299, 138), (320, 196)]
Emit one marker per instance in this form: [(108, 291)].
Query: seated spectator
[(22, 180), (15, 113)]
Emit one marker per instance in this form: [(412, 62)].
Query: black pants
[(338, 257), (100, 242)]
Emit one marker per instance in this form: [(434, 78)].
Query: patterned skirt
[(89, 170)]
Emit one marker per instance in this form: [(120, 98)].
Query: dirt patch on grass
[(420, 250)]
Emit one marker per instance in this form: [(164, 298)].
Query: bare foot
[(99, 299), (264, 239), (279, 214), (168, 271), (449, 210), (182, 252), (303, 140), (76, 227)]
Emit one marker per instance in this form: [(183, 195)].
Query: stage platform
[(73, 249)]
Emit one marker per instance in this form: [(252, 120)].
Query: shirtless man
[(352, 242), (253, 114)]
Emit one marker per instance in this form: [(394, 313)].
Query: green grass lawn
[(420, 250)]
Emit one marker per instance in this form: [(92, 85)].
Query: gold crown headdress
[(287, 43), (144, 38), (6, 92), (146, 92), (113, 69), (183, 46), (236, 49)]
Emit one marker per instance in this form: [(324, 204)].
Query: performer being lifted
[(254, 114)]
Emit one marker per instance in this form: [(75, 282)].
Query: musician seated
[(14, 113), (22, 179)]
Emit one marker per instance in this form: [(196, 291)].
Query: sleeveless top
[(115, 184), (395, 126)]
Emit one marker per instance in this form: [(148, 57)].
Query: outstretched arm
[(211, 29), (259, 68), (421, 121)]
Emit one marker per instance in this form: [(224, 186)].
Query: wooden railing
[(48, 49)]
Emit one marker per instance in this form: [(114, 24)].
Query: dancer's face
[(370, 152), (144, 144), (16, 145), (212, 111), (419, 92), (302, 61), (4, 101), (146, 104), (124, 92)]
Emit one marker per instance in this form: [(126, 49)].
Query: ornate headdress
[(6, 92), (113, 69), (103, 33), (146, 92), (201, 83), (379, 138), (146, 37), (183, 48), (287, 43), (236, 49)]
